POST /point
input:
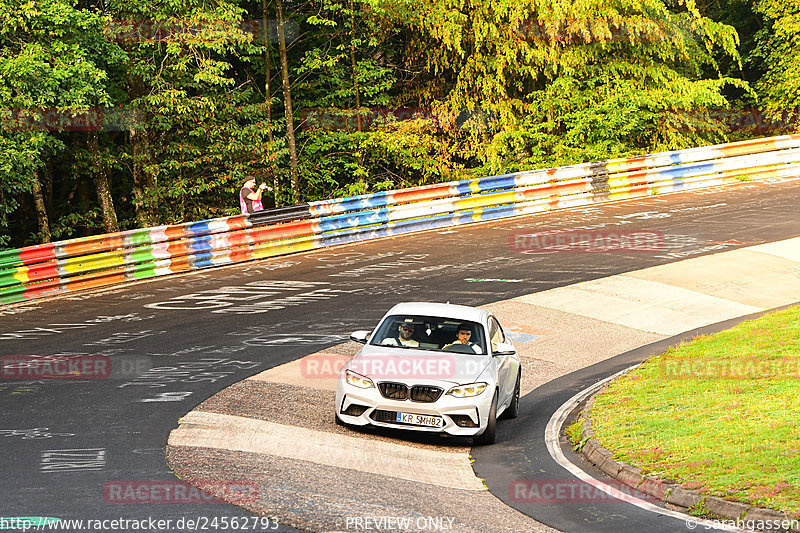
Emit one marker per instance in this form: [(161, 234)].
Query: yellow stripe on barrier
[(22, 274), (476, 202), (88, 263)]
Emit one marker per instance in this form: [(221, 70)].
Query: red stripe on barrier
[(283, 231), (46, 288), (237, 223), (42, 271), (542, 191), (38, 253), (239, 242)]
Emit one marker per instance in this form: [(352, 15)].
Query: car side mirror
[(503, 348), (361, 336)]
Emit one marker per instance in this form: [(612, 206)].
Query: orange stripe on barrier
[(91, 245), (426, 194), (179, 264), (175, 232), (746, 147), (98, 279)]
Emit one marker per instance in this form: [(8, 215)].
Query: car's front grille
[(380, 415), (417, 393), (425, 393), (393, 391)]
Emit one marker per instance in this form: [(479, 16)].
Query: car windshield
[(430, 333)]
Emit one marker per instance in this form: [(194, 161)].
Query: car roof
[(458, 312)]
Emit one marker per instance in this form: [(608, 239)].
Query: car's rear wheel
[(512, 411), (488, 436)]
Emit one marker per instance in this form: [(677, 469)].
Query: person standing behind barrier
[(250, 197)]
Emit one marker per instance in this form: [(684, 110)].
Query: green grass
[(574, 433), (719, 414)]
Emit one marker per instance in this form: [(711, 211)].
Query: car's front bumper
[(472, 413)]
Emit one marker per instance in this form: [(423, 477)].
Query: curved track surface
[(177, 341)]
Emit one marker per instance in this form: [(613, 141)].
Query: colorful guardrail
[(102, 260)]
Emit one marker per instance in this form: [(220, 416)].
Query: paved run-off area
[(276, 429)]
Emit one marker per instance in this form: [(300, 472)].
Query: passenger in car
[(463, 335), (404, 338)]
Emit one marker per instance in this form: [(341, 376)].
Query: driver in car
[(463, 335), (405, 331)]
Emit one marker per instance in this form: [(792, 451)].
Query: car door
[(505, 376)]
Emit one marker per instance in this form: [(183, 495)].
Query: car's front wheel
[(338, 420), (488, 436), (512, 411)]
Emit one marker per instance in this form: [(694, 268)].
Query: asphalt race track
[(69, 444)]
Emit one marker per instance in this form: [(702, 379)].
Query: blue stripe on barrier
[(201, 260), (505, 181), (499, 211), (337, 222), (684, 171), (197, 228), (199, 244)]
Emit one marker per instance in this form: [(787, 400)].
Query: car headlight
[(465, 391), (357, 380)]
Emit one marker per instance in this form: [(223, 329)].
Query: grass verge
[(718, 414)]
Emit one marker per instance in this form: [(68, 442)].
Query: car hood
[(407, 365)]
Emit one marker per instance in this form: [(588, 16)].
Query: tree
[(199, 129), (51, 58), (539, 82), (776, 52)]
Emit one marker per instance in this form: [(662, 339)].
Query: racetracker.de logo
[(380, 367), (177, 491), (586, 241), (55, 367), (577, 491)]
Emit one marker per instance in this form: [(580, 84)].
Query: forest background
[(121, 114)]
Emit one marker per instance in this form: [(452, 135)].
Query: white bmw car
[(432, 367)]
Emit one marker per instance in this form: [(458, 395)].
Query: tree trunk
[(48, 184), (268, 99), (101, 183), (143, 183), (354, 65), (287, 98), (41, 211)]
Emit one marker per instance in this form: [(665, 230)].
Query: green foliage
[(53, 60), (776, 50), (579, 81), (386, 94)]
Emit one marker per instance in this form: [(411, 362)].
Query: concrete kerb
[(667, 491)]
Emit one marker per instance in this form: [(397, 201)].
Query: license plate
[(420, 420)]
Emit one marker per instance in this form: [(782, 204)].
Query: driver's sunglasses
[(405, 328)]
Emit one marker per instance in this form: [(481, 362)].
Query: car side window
[(496, 332)]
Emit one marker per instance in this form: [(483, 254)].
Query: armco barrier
[(102, 260)]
